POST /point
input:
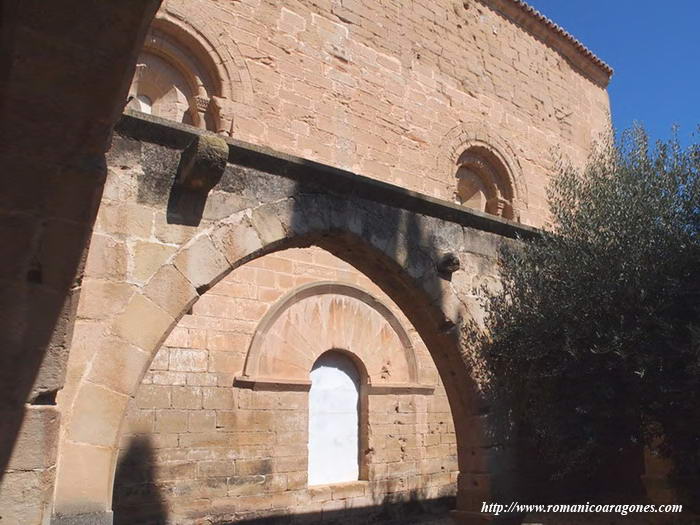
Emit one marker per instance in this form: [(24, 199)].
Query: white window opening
[(334, 401)]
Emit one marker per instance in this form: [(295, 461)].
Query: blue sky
[(654, 49)]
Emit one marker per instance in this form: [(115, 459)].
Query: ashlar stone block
[(143, 323), (96, 415), (119, 365), (170, 290), (202, 263)]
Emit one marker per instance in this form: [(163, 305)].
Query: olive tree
[(593, 338)]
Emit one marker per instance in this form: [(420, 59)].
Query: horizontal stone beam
[(156, 130)]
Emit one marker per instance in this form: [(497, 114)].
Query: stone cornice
[(148, 128)]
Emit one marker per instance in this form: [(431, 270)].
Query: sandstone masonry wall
[(398, 90), (226, 452), (392, 90), (151, 268)]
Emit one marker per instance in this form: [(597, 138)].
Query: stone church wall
[(194, 445), (395, 91), (178, 390), (398, 91)]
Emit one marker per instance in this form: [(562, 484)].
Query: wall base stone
[(93, 518)]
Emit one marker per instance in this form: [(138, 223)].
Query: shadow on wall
[(413, 511), (392, 236), (137, 496), (49, 202)]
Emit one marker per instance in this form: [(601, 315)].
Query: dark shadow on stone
[(54, 137), (185, 207), (137, 497), (201, 166), (412, 512)]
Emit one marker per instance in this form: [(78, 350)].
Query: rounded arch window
[(334, 420), (173, 82), (483, 183)]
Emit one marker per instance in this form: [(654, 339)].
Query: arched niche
[(181, 76), (484, 171), (483, 182), (340, 316)]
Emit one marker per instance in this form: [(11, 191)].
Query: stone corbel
[(202, 164), (448, 264)]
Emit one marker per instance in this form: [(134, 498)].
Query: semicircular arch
[(476, 142), (229, 67), (343, 317)]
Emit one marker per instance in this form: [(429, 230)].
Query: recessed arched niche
[(483, 171), (341, 317), (176, 79), (483, 183)]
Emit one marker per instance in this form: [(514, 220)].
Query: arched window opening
[(174, 82), (334, 420), (483, 183)]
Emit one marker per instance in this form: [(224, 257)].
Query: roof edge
[(555, 36)]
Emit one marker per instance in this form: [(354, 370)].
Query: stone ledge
[(400, 388), (302, 385), (148, 128), (272, 384)]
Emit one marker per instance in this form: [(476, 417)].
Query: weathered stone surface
[(202, 263), (25, 496), (84, 481), (237, 241), (107, 258), (97, 415), (92, 518), (131, 324), (147, 258), (270, 224), (202, 163), (102, 299), (116, 363), (328, 82), (37, 440), (171, 291)]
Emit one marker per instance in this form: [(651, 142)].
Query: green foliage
[(594, 338)]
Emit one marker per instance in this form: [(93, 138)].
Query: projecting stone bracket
[(448, 264), (202, 164)]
